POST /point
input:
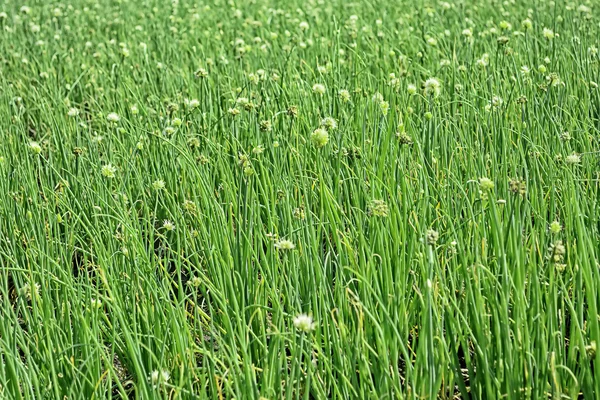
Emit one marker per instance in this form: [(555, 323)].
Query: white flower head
[(35, 147), (193, 103), (158, 184), (285, 244), (113, 117), (168, 225), (432, 87), (377, 97), (318, 89), (484, 61), (548, 33), (344, 95), (108, 171), (304, 323), (329, 123), (95, 303), (158, 378), (573, 159), (411, 89)]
